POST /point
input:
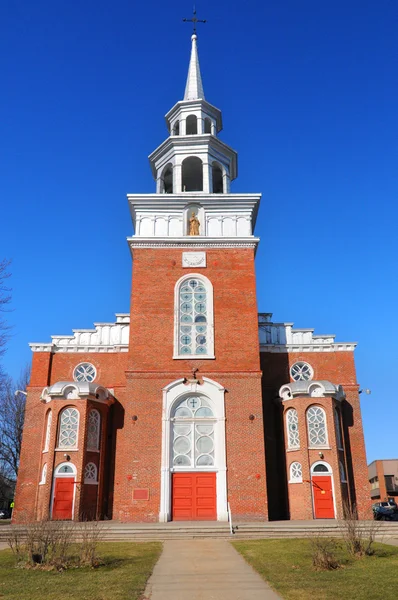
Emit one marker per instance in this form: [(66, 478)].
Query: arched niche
[(192, 125), (217, 175), (192, 174), (207, 125)]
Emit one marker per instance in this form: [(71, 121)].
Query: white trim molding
[(214, 394), (312, 389)]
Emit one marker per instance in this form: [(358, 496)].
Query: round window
[(301, 371), (84, 372)]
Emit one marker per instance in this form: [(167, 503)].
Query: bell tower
[(193, 329)]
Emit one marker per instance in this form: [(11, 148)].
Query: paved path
[(205, 570)]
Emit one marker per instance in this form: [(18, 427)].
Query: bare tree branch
[(12, 414)]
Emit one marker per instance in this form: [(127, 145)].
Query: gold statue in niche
[(194, 225)]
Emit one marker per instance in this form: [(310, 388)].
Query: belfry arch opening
[(207, 125), (168, 180), (176, 128), (192, 174), (192, 125), (218, 187)]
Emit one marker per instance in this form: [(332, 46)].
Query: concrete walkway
[(205, 570)]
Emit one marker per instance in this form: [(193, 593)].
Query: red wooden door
[(63, 498), (194, 497), (323, 496)]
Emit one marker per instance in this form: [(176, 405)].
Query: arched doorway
[(193, 481), (322, 491), (63, 495)]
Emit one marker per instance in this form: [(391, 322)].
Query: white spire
[(194, 87)]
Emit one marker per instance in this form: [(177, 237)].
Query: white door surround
[(214, 394)]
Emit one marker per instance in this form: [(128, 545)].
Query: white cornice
[(281, 348), (193, 242)]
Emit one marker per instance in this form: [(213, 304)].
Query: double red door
[(323, 496), (194, 497), (63, 498)]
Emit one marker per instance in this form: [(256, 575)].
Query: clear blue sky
[(308, 92)]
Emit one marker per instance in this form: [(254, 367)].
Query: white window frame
[(48, 430), (210, 317), (214, 394), (295, 479), (97, 447), (43, 475), (91, 481), (310, 445), (302, 364), (289, 446), (69, 448)]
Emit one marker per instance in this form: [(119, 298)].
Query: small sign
[(194, 259), (141, 494)]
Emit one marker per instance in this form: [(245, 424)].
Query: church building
[(192, 406)]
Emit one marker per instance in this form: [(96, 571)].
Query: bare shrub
[(359, 536), (92, 533), (323, 553), (16, 542)]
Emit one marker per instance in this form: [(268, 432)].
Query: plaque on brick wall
[(141, 494), (194, 259)]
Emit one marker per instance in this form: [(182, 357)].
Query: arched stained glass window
[(193, 433), (296, 473), (90, 473), (293, 436), (68, 428), (48, 431), (194, 315), (93, 433), (316, 420)]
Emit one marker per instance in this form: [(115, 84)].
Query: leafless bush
[(358, 536), (323, 553), (91, 534)]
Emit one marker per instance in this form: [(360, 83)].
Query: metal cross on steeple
[(194, 20)]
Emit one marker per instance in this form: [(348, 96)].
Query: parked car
[(5, 513), (385, 511)]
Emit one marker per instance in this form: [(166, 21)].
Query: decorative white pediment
[(312, 389), (74, 390)]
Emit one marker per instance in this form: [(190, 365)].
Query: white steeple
[(194, 86)]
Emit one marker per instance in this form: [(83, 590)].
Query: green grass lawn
[(123, 577), (287, 566)]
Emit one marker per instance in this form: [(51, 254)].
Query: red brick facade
[(129, 458)]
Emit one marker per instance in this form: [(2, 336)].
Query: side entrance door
[(63, 498), (194, 497), (323, 496)]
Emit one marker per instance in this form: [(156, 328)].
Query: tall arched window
[(293, 436), (48, 431), (207, 125), (192, 125), (194, 317), (193, 433), (93, 433), (338, 429), (192, 174), (68, 428), (296, 473), (218, 187), (316, 421)]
